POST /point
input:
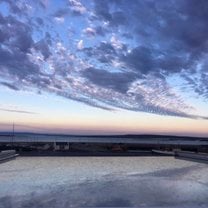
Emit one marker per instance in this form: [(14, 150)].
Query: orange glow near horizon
[(118, 123), (55, 115)]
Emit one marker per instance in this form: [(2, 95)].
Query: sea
[(103, 182), (132, 139)]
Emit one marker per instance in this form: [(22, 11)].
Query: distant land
[(148, 136)]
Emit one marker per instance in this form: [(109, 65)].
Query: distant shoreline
[(4, 133)]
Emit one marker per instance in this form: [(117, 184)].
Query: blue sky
[(103, 60)]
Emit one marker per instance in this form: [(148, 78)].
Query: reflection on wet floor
[(103, 181)]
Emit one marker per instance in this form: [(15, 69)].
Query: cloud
[(19, 7), (59, 20), (113, 80), (18, 34), (80, 45), (140, 59), (61, 12), (116, 43), (90, 31), (77, 7), (100, 30), (133, 50), (16, 111), (102, 11), (104, 53), (16, 64), (9, 85), (43, 47), (43, 3)]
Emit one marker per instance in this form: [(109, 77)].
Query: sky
[(104, 66)]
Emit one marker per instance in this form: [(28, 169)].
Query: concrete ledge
[(192, 156), (7, 155)]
